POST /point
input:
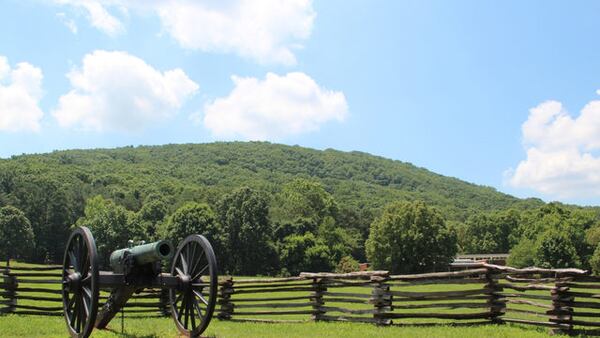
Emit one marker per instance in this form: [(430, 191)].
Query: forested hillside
[(204, 171), (331, 195)]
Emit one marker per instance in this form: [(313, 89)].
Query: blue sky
[(499, 94)]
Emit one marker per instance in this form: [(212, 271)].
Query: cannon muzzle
[(123, 259)]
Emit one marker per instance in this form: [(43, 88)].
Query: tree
[(341, 242), (51, 213), (410, 237), (112, 226), (244, 216), (196, 218), (490, 233), (595, 261), (307, 199), (523, 254), (151, 214), (16, 233), (555, 249), (304, 253)]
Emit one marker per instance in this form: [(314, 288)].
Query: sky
[(504, 94)]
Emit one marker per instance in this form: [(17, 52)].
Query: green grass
[(36, 326)]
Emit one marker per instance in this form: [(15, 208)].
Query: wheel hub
[(186, 282), (74, 281)]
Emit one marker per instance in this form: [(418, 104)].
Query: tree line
[(303, 228), (274, 209)]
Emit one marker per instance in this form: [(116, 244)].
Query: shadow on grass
[(130, 335)]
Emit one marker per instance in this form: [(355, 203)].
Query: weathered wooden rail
[(37, 291), (564, 300)]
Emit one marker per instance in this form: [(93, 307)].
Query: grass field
[(36, 326)]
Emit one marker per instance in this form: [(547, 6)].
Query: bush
[(410, 237), (347, 264)]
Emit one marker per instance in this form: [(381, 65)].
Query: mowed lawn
[(37, 326)]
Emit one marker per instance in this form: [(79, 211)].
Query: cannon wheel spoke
[(193, 304), (80, 283)]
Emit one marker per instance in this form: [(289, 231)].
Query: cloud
[(69, 23), (20, 93), (563, 158), (264, 30), (97, 15), (267, 31), (118, 91), (273, 108)]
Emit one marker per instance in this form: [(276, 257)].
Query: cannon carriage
[(191, 281)]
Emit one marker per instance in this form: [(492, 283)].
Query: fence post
[(10, 285), (495, 300), (381, 298), (225, 291), (562, 312), (317, 299), (163, 303)]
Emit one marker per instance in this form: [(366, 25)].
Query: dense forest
[(277, 209)]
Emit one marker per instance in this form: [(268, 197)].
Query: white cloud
[(273, 108), (268, 31), (97, 15), (264, 30), (20, 93), (563, 158), (118, 91), (69, 23)]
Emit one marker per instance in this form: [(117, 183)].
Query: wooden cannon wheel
[(193, 303), (80, 283)]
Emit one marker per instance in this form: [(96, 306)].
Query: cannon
[(191, 282)]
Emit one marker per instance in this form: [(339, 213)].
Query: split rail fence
[(564, 300), (37, 291)]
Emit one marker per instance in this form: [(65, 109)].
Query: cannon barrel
[(141, 254)]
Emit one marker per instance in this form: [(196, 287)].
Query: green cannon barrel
[(141, 254)]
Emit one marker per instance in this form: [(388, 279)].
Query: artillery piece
[(191, 282)]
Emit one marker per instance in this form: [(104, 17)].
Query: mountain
[(205, 171)]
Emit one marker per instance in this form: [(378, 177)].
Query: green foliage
[(306, 199), (341, 242), (595, 261), (112, 225), (555, 249), (523, 254), (347, 264), (196, 218), (490, 233), (16, 233), (333, 195), (152, 213), (305, 252), (244, 216), (410, 237)]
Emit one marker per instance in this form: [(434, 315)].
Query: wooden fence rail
[(565, 300)]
